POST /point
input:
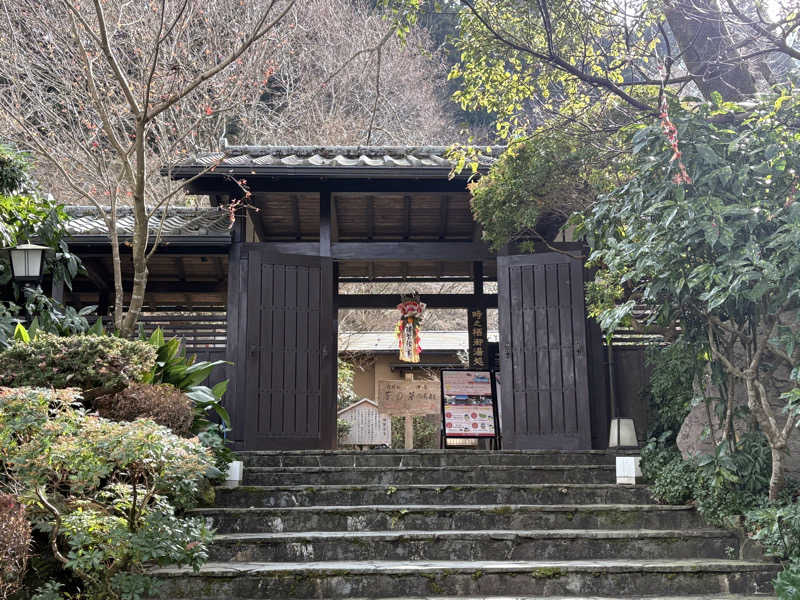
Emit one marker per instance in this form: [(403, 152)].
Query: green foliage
[(737, 289), (105, 492), (787, 584), (777, 528), (186, 374), (670, 393), (47, 316), (345, 394), (89, 362), (723, 485), (342, 429), (672, 478), (549, 174), (427, 431), (13, 169)]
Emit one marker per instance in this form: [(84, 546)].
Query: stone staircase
[(457, 524)]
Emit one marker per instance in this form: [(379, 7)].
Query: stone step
[(566, 544), (425, 458), (337, 495), (452, 517), (383, 579), (429, 475), (687, 597)]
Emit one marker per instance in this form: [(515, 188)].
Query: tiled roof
[(386, 341), (328, 157), (180, 221)]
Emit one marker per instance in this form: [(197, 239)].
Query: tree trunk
[(777, 480), (708, 49)]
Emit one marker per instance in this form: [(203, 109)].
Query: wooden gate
[(285, 372), (544, 377)]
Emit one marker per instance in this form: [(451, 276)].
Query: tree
[(710, 238), (117, 90), (109, 85)]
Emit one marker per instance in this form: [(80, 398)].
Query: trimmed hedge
[(165, 404), (95, 364)]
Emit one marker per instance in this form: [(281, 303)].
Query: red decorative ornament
[(407, 329)]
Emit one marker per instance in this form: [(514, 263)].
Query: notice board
[(469, 404), (402, 398)]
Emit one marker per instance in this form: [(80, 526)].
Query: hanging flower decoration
[(407, 328)]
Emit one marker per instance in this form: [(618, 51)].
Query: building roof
[(84, 221), (386, 341), (333, 161)]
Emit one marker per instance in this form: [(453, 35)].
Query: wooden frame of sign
[(469, 419)]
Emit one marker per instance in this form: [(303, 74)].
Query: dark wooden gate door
[(544, 377), (290, 343)]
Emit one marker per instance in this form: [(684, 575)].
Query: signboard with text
[(469, 408), (402, 398)]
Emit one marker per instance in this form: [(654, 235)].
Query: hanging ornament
[(407, 328)]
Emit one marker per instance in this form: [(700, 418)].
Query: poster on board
[(469, 409)]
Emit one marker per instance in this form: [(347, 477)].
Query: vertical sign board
[(368, 427), (469, 406)]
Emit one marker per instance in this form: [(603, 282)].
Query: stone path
[(434, 525)]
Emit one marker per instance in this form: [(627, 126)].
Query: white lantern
[(27, 262)]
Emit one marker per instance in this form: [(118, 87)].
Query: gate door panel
[(289, 379), (544, 376)]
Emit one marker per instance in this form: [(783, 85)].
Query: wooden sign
[(409, 398), (368, 427)]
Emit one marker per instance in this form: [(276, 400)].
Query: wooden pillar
[(325, 223), (476, 321), (236, 309), (57, 290), (409, 421)]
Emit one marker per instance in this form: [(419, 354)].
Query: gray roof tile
[(179, 221), (374, 157)]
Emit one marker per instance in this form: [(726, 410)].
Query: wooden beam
[(256, 219), (298, 232), (407, 209), (98, 275), (166, 287), (370, 217), (325, 223), (219, 268), (444, 206), (432, 300), (180, 267), (389, 251), (334, 220)]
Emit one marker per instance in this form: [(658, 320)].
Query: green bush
[(777, 528), (164, 404), (105, 492), (95, 364), (211, 420), (787, 584), (670, 392), (675, 480)]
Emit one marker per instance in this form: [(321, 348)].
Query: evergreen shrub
[(95, 364)]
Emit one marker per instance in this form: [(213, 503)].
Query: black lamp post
[(27, 262)]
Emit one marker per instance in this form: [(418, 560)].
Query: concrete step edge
[(405, 509), (266, 489), (505, 534), (333, 568), (469, 468)]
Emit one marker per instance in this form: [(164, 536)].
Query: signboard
[(368, 427), (469, 408), (403, 398)]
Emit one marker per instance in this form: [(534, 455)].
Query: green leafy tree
[(709, 236)]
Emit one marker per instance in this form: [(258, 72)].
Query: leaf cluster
[(93, 363), (105, 492)]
